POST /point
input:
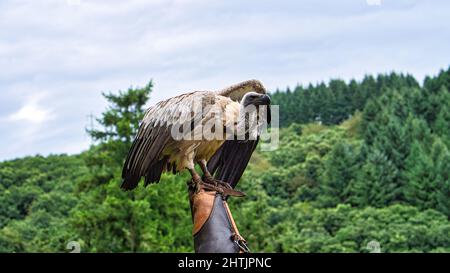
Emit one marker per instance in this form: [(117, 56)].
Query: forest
[(359, 161)]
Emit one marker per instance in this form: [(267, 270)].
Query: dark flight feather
[(230, 160), (142, 160)]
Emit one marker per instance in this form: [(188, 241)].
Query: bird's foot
[(216, 182), (222, 187)]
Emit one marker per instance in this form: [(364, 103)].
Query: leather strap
[(236, 237)]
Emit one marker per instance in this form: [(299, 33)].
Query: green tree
[(441, 169), (375, 185), (340, 171), (120, 121), (441, 125), (108, 219), (421, 186)]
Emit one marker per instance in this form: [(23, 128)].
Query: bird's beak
[(264, 100)]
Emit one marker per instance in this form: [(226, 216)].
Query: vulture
[(218, 130)]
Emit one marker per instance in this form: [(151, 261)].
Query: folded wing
[(154, 134), (229, 162)]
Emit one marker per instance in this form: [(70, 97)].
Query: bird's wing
[(230, 160), (144, 157), (236, 92)]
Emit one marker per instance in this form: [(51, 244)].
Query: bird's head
[(256, 99), (254, 114)]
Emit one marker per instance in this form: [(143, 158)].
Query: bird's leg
[(208, 178), (196, 178), (199, 184)]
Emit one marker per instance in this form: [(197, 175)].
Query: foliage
[(334, 102), (358, 162)]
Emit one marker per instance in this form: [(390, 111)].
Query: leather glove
[(214, 229)]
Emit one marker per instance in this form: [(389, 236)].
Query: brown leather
[(202, 205), (216, 235), (214, 229)]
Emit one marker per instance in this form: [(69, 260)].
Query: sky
[(58, 56)]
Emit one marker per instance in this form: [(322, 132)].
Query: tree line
[(358, 161)]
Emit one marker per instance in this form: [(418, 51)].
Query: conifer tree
[(420, 188)]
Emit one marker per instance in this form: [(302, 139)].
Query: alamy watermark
[(373, 246), (210, 123), (73, 2), (373, 2), (74, 247)]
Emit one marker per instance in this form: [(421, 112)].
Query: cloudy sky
[(57, 56)]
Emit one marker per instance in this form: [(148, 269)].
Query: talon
[(217, 182), (221, 187)]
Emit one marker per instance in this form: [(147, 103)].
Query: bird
[(172, 137)]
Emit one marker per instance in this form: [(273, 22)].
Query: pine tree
[(375, 185), (340, 171), (433, 84), (441, 169), (416, 129), (368, 126), (110, 219), (441, 125), (420, 185), (120, 121)]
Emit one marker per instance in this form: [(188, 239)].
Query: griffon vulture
[(161, 145)]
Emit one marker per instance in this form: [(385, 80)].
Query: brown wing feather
[(237, 91), (145, 155)]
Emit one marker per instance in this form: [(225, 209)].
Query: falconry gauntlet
[(214, 229)]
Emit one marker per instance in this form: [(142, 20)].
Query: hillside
[(358, 162)]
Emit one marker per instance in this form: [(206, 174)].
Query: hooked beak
[(264, 100)]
